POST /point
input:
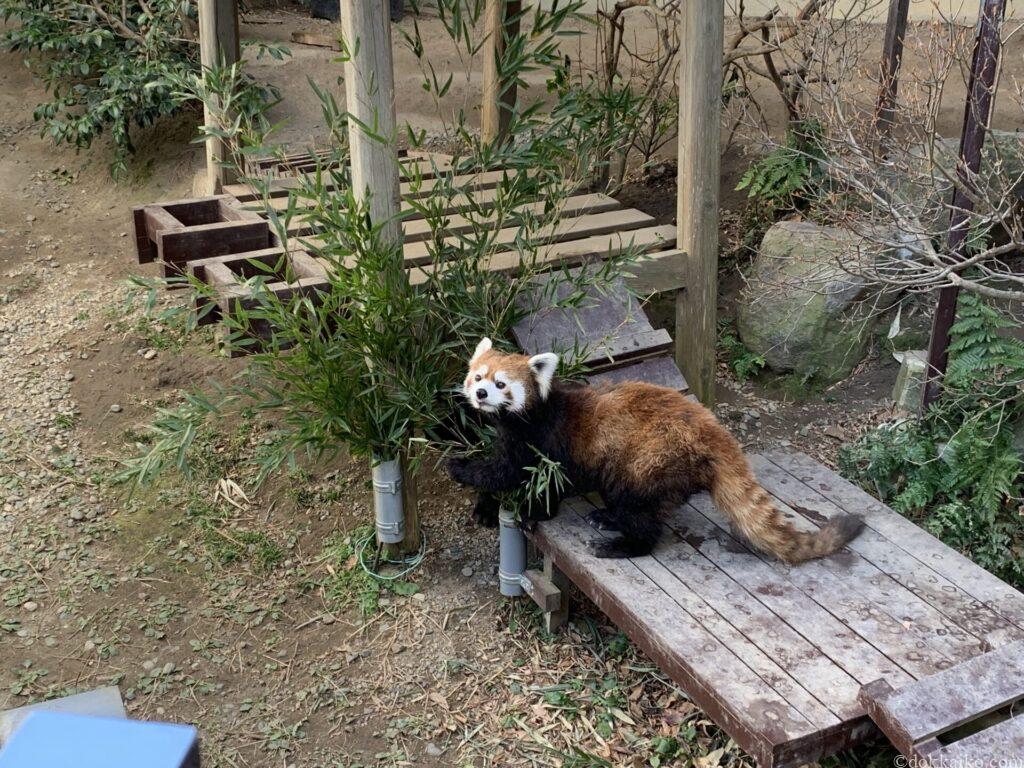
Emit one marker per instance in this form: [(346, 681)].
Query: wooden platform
[(777, 655)]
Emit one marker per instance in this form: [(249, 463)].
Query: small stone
[(327, 620), (467, 571), (115, 408), (835, 432), (89, 646), (419, 597), (30, 218), (77, 514), (50, 642), (433, 750), (148, 665), (149, 354), (30, 605), (69, 376)]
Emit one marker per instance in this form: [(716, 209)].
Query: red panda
[(641, 446)]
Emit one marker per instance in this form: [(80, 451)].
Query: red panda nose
[(481, 394)]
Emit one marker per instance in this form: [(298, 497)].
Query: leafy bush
[(958, 470), (106, 64)]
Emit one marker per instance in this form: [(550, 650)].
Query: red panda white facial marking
[(508, 382)]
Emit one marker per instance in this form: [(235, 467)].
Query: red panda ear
[(543, 367), (483, 346)]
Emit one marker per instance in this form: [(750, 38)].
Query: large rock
[(800, 310)]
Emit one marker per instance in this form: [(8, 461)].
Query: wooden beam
[(218, 46), (700, 98), (370, 99), (498, 99), (892, 55), (977, 110)]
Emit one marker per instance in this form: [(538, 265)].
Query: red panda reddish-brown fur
[(641, 446)]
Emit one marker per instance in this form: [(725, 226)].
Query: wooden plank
[(921, 620), (420, 176), (954, 696), (659, 272), (899, 564), (568, 254), (575, 206), (618, 349), (176, 247), (575, 228), (317, 40), (1000, 745), (418, 230), (804, 676), (974, 580), (850, 600), (238, 263), (692, 599), (661, 371), (715, 679), (829, 633)]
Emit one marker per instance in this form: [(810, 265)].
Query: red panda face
[(499, 382)]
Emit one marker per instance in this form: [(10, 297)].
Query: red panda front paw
[(527, 523), (457, 469), (485, 511)]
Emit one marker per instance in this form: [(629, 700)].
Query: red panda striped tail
[(753, 514)]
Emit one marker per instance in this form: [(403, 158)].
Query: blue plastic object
[(59, 740)]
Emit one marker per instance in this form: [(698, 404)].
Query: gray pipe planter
[(389, 512), (511, 555)]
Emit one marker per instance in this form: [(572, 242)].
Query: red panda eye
[(499, 384), (477, 377)]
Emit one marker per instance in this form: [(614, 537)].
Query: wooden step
[(969, 715), (607, 330)]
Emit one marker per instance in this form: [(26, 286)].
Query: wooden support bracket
[(542, 591), (177, 232)]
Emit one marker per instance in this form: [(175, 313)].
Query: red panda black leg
[(602, 520), (639, 530), (485, 511), (494, 475)]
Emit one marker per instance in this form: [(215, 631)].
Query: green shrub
[(958, 470), (106, 64)]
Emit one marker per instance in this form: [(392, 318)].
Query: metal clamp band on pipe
[(389, 514)]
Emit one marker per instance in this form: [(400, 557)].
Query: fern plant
[(781, 179), (959, 470)]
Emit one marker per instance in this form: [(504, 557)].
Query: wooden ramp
[(224, 239), (777, 655)]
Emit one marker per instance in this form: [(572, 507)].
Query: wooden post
[(501, 18), (218, 46), (700, 99), (892, 55), (370, 99), (977, 110)]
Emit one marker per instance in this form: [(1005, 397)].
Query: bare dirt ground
[(248, 615)]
